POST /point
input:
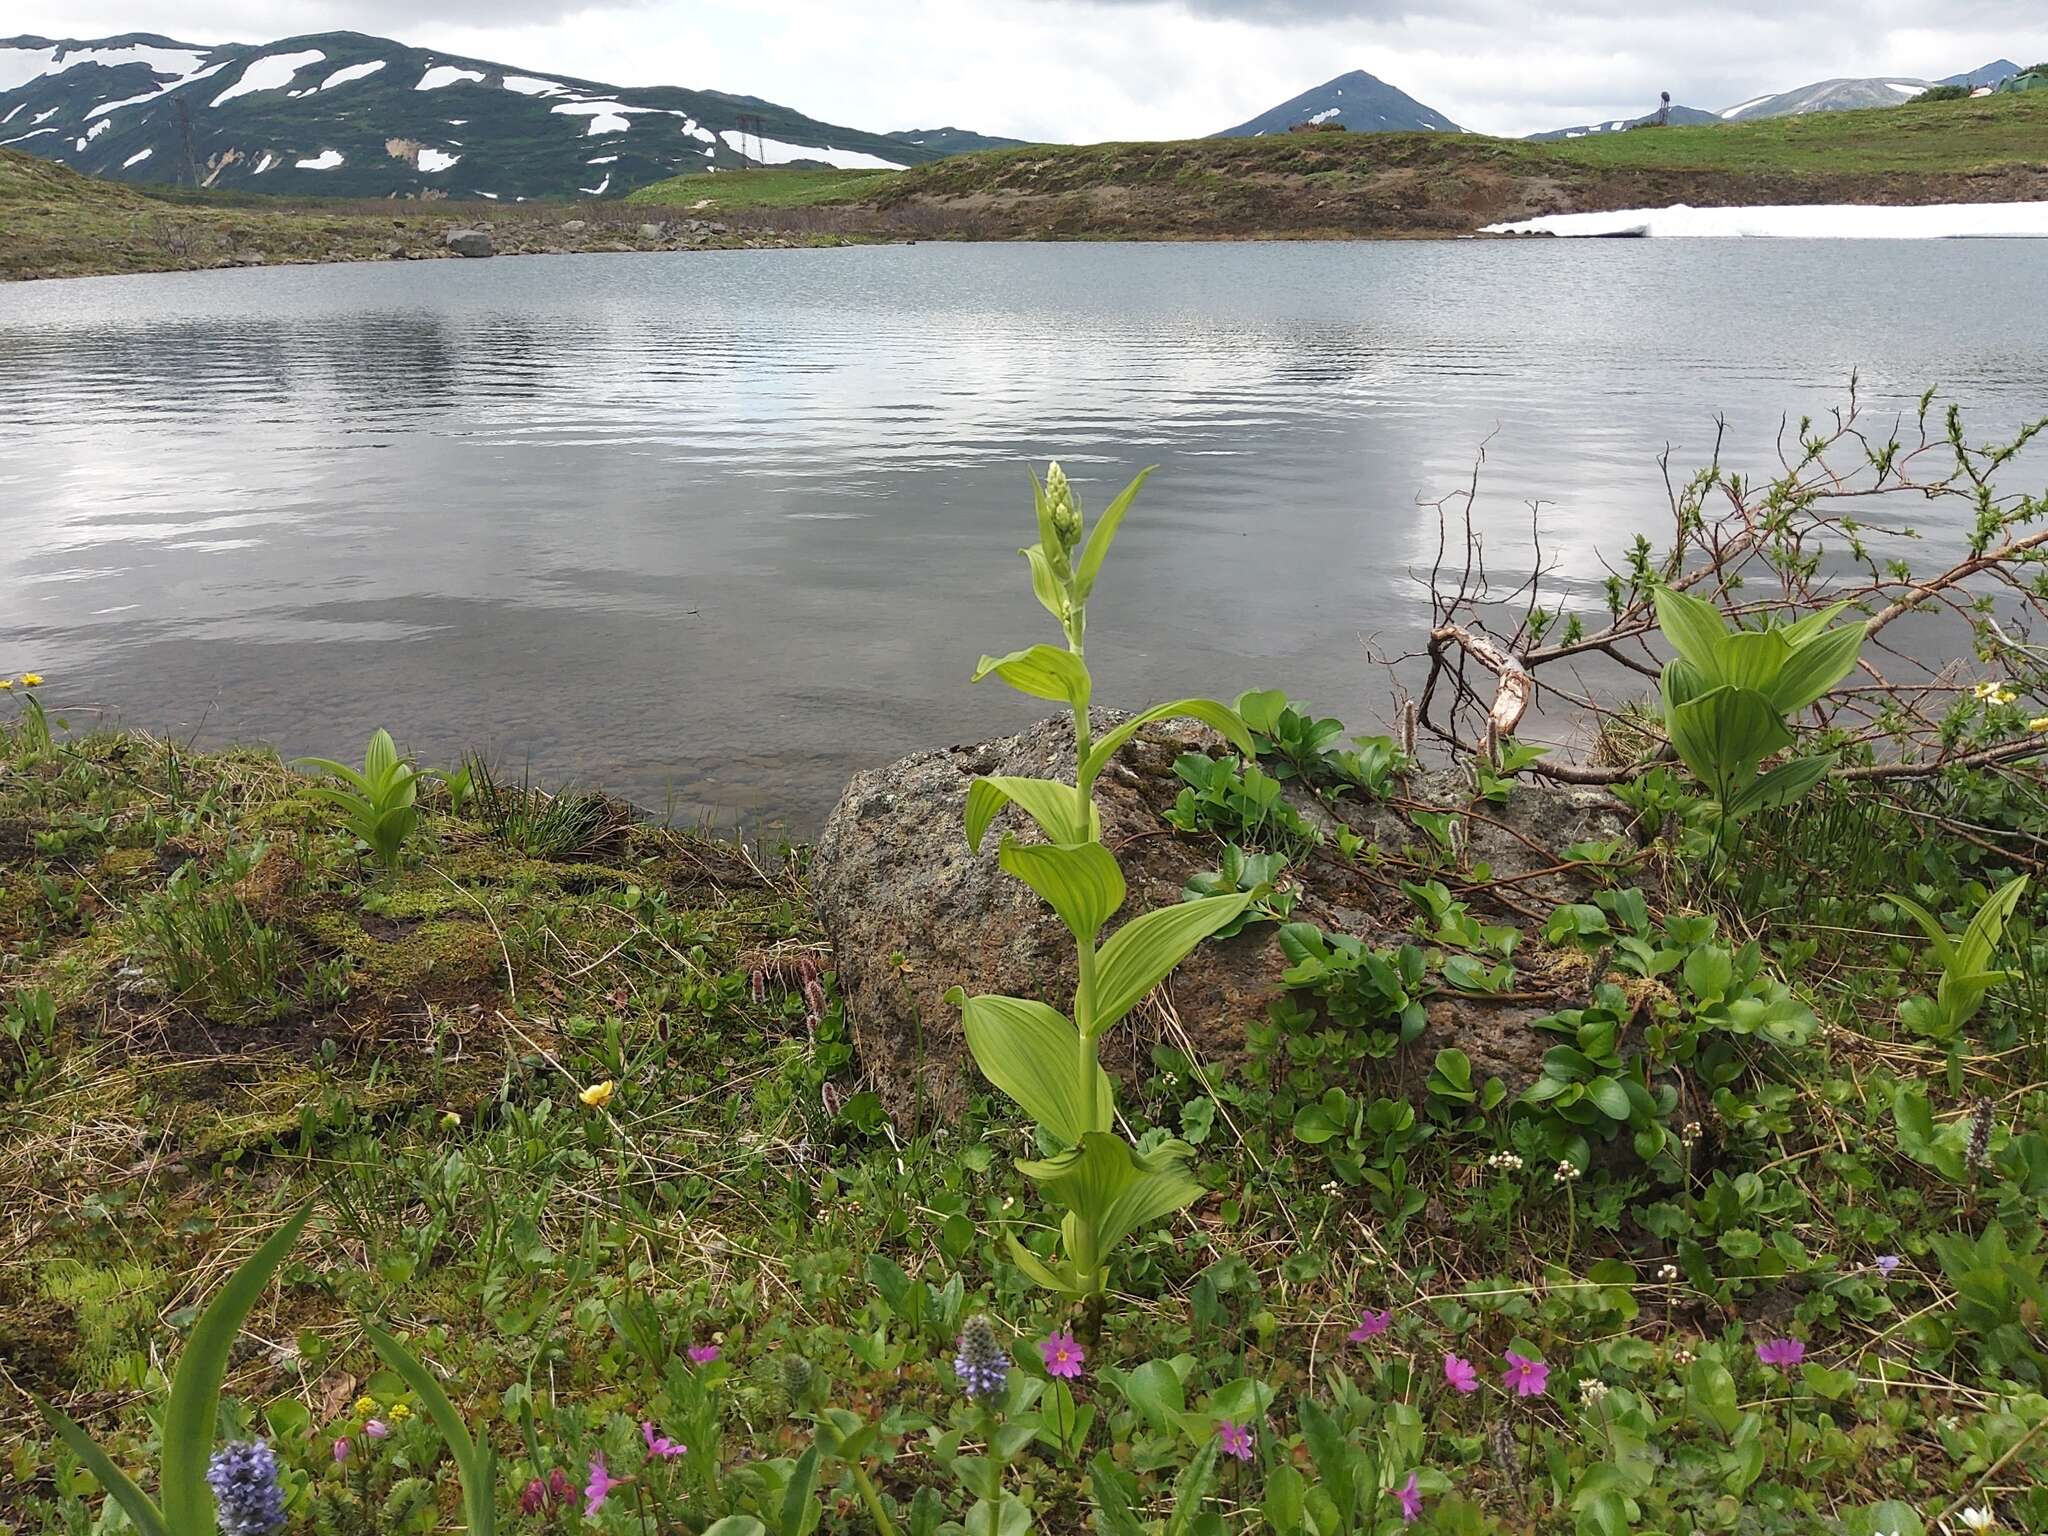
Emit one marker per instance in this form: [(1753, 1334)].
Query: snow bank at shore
[(1820, 221)]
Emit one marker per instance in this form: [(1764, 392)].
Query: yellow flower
[(366, 1405), (597, 1095), (31, 679), (1992, 693), (2038, 724), (6, 682), (400, 1413), (450, 1119)]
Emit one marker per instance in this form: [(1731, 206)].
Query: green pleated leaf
[(1782, 785), (1080, 882), (1752, 658), (1980, 940), (142, 1513), (1726, 731), (1804, 630), (1220, 717), (474, 1466), (1694, 628), (1044, 585), (1136, 958), (1814, 667), (1104, 534), (1114, 1188), (1043, 671), (1033, 1054), (195, 1391), (1047, 802), (1058, 1278)]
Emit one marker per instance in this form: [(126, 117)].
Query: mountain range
[(342, 113), (1358, 102), (1364, 103)]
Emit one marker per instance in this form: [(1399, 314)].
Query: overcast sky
[(1080, 70)]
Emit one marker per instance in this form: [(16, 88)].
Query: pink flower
[(1527, 1377), (1410, 1496), (534, 1498), (661, 1445), (376, 1429), (1236, 1438), (1781, 1352), (1370, 1325), (703, 1354), (341, 1449), (1063, 1355), (1461, 1374), (599, 1487)]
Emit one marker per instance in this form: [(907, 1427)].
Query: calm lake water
[(715, 530)]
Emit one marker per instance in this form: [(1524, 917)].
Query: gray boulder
[(653, 231), (574, 226), (911, 910), (470, 242)]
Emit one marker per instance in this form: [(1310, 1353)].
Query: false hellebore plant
[(1107, 1187), (1727, 692)]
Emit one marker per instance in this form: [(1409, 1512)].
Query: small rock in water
[(470, 242)]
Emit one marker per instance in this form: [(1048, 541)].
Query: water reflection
[(716, 529)]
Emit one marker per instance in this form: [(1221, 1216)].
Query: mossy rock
[(450, 960)]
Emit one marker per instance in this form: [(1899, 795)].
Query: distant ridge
[(1361, 103)]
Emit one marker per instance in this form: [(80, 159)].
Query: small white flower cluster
[(1667, 1273), (1691, 1133), (1507, 1162), (1567, 1172), (1682, 1356), (1591, 1389)]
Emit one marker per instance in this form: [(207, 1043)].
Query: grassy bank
[(54, 222), (572, 1102), (57, 223)]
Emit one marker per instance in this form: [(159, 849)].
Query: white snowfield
[(436, 160), (18, 66), (445, 74), (269, 73), (351, 72), (1817, 221), (775, 152), (533, 85), (162, 90), (605, 116), (598, 190), (137, 158), (326, 160)]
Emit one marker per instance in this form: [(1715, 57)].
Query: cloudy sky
[(1079, 70)]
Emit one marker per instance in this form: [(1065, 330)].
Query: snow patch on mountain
[(269, 73), (137, 158), (352, 72), (775, 152), (533, 85), (326, 160), (442, 75), (437, 160), (605, 116)]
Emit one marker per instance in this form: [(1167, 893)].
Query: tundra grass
[(738, 191), (587, 1128)]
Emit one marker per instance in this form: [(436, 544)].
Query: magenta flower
[(599, 1487), (1410, 1496), (1461, 1374), (703, 1354), (1063, 1354), (1236, 1438), (1370, 1325), (533, 1498), (661, 1445), (376, 1429), (1781, 1352), (341, 1449), (1526, 1377)]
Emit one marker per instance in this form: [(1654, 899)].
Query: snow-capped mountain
[(1851, 95), (346, 114), (1680, 117), (1362, 103)]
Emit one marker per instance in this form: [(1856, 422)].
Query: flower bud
[(1063, 509)]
